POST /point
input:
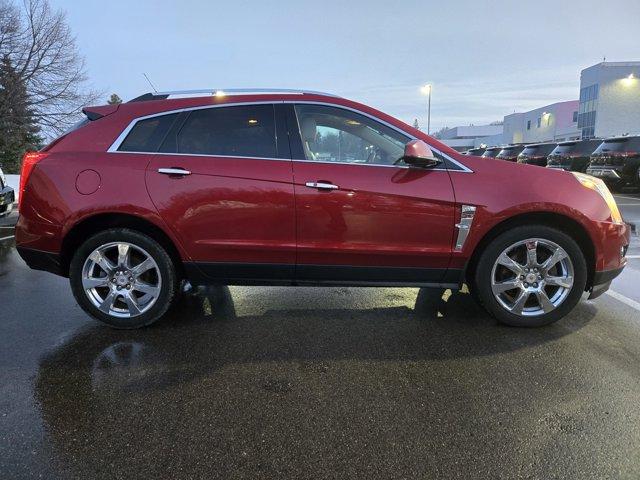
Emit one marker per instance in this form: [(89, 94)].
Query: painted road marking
[(633, 257), (626, 300), (7, 238), (637, 199)]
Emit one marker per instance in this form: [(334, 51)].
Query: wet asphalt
[(315, 383)]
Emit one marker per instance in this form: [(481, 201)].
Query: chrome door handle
[(174, 171), (321, 185)]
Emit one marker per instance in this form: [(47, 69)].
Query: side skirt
[(202, 273)]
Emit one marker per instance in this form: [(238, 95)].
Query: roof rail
[(225, 91)]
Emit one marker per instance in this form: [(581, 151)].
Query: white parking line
[(633, 257), (637, 199), (7, 238), (626, 300)]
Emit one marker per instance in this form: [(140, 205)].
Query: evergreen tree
[(18, 128), (416, 125), (114, 99)]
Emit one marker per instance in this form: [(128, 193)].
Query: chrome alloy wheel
[(532, 277), (121, 279)]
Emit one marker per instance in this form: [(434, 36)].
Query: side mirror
[(418, 154)]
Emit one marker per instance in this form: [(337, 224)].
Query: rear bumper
[(7, 198), (39, 260)]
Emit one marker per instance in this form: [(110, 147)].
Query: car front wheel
[(123, 278), (531, 276)]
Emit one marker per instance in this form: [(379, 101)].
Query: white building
[(555, 122), (609, 99), (466, 137)]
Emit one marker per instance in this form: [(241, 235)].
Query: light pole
[(426, 90)]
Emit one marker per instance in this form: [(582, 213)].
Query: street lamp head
[(426, 89)]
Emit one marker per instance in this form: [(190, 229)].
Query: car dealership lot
[(317, 383)]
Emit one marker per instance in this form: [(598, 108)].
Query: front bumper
[(602, 281), (7, 199)]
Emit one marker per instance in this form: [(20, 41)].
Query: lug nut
[(535, 285), (128, 287), (131, 279), (526, 284)]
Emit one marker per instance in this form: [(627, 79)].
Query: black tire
[(482, 277), (167, 271)]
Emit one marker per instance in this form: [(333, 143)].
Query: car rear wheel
[(123, 278), (531, 276)]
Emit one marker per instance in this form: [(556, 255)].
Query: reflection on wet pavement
[(312, 383)]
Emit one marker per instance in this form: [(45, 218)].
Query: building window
[(587, 110), (575, 116), (528, 124), (539, 121)]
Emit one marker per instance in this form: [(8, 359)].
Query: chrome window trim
[(118, 141)]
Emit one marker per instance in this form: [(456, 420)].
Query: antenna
[(152, 85)]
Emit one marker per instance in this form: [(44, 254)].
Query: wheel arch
[(558, 221), (104, 221)]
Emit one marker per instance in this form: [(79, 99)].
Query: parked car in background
[(7, 196), (300, 188), (475, 151), (617, 162), (536, 154), (491, 152), (573, 155), (510, 152)]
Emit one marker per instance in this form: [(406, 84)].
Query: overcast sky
[(484, 59)]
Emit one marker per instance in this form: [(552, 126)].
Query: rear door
[(362, 215), (223, 182)]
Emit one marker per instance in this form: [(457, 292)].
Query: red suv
[(300, 188)]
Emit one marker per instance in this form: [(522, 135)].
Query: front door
[(362, 215), (223, 182)]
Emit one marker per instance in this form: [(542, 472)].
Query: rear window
[(147, 135), (577, 148), (537, 150), (619, 145), (241, 131)]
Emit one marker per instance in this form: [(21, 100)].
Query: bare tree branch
[(40, 45)]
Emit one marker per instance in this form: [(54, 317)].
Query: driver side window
[(332, 134)]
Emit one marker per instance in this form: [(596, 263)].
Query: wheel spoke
[(544, 301), (532, 253), (508, 262), (143, 266), (501, 287), (99, 259), (518, 304), (557, 256), (107, 304), (144, 287), (123, 255), (132, 303), (93, 282), (564, 282)]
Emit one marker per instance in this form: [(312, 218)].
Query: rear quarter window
[(147, 135)]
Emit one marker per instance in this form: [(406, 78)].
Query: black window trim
[(450, 163)]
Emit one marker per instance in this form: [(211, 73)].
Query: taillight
[(28, 162)]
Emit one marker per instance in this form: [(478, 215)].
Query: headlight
[(599, 186)]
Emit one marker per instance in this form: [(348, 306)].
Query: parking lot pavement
[(313, 383)]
